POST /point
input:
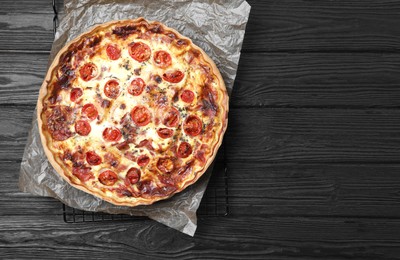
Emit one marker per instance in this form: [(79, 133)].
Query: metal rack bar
[(55, 18)]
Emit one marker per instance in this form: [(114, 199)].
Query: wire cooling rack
[(214, 203)]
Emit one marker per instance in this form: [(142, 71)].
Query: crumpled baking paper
[(216, 26)]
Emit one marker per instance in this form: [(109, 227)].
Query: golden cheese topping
[(133, 112)]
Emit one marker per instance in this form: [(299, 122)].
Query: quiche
[(132, 112)]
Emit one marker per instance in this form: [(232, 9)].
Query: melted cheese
[(123, 70)]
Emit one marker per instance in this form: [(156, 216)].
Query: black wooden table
[(313, 145)]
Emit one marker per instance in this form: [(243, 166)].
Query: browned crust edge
[(139, 201)]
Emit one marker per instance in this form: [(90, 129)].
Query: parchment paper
[(218, 27)]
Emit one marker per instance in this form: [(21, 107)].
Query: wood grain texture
[(33, 32), (290, 25), (350, 80), (30, 7), (15, 123), (216, 238), (278, 135), (312, 144), (282, 189), (279, 80), (350, 25), (21, 75), (15, 202), (27, 25), (313, 135), (296, 189)]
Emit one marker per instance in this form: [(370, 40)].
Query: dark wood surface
[(313, 145)]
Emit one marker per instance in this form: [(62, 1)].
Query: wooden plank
[(15, 123), (318, 80), (30, 7), (21, 75), (32, 33), (14, 132), (277, 135), (27, 25), (290, 25), (289, 189), (351, 25), (278, 80), (313, 135), (14, 202), (24, 204), (217, 238), (283, 189)]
